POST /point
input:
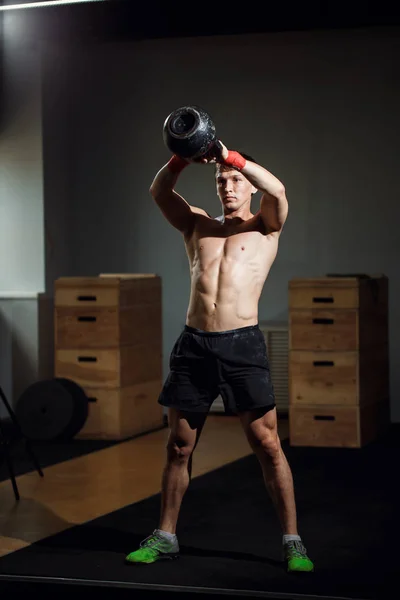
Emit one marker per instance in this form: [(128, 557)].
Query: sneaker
[(155, 547), (296, 558)]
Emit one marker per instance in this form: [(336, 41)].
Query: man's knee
[(267, 443), (179, 450)]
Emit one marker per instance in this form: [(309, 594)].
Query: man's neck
[(232, 219)]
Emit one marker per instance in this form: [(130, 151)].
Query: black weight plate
[(45, 409), (81, 408)]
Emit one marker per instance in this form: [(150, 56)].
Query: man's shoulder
[(199, 211)]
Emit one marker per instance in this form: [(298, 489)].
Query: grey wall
[(22, 260), (56, 165), (318, 109)]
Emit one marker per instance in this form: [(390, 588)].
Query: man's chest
[(215, 244)]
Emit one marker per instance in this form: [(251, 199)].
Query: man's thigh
[(259, 424), (185, 426)]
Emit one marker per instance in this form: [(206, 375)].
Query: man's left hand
[(217, 153)]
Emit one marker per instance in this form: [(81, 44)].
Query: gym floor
[(90, 486)]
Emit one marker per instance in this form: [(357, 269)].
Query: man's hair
[(222, 167)]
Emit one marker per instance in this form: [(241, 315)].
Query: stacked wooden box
[(108, 339), (338, 360)]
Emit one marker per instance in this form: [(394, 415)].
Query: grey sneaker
[(154, 547)]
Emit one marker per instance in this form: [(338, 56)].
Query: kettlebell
[(189, 132)]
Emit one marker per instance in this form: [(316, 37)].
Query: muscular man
[(221, 349)]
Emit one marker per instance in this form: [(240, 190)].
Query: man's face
[(233, 189)]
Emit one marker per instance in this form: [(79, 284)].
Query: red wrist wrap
[(234, 159), (176, 164)]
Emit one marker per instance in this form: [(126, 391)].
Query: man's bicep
[(179, 213), (176, 210), (273, 212)]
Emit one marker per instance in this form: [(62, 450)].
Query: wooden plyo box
[(337, 426), (338, 360), (108, 339)]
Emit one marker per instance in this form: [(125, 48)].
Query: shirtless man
[(221, 349)]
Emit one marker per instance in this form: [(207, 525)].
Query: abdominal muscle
[(216, 305), (227, 277)]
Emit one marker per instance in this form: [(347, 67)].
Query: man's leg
[(261, 430), (260, 427), (185, 430)]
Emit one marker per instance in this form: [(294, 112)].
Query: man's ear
[(253, 190)]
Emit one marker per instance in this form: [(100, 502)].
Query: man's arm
[(175, 208), (274, 204)]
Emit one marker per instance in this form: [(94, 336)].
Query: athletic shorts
[(204, 365)]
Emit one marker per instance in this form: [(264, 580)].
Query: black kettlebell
[(189, 132)]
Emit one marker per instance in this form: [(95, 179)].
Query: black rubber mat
[(229, 535)]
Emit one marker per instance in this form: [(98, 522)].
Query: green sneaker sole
[(152, 560), (300, 567)]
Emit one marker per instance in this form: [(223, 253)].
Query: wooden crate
[(107, 327), (343, 378), (323, 330), (338, 358), (324, 378), (344, 313), (337, 426), (368, 294), (110, 368), (108, 339), (123, 412), (107, 290)]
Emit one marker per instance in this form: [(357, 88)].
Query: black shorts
[(231, 363)]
